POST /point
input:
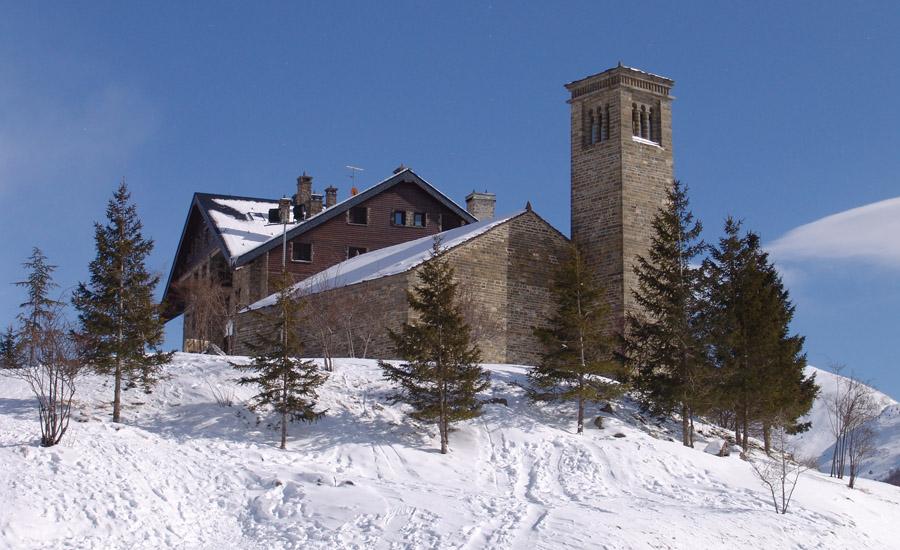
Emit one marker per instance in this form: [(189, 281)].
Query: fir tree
[(664, 343), (121, 329), (43, 351), (9, 349), (760, 365), (286, 382), (39, 308), (440, 377), (578, 347)]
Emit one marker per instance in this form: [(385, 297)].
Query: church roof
[(386, 261)]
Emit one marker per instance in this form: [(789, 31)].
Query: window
[(419, 219), (301, 252), (399, 217), (358, 215), (354, 251)]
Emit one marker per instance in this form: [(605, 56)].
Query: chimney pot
[(330, 196), (304, 190), (315, 204)]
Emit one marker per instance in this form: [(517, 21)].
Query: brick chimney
[(330, 196), (481, 205), (304, 191), (315, 204)]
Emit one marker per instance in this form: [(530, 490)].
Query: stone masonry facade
[(504, 276), (621, 168)]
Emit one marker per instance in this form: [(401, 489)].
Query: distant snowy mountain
[(186, 472), (818, 442)]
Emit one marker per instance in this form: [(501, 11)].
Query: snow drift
[(189, 471)]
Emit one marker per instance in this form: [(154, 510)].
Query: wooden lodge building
[(229, 250)]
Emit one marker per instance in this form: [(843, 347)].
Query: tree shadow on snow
[(18, 408)]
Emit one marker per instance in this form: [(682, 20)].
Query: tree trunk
[(117, 392), (685, 426), (284, 413), (691, 416), (580, 414), (746, 436), (767, 438), (443, 417)]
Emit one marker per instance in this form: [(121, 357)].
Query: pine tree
[(121, 329), (663, 343), (760, 365), (579, 350), (9, 349), (440, 377), (286, 382), (734, 326)]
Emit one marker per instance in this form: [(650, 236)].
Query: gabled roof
[(240, 224), (386, 261), (406, 175)]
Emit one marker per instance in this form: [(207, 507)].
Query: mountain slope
[(186, 472), (818, 442)]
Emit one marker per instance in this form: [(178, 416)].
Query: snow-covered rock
[(185, 472), (718, 447)]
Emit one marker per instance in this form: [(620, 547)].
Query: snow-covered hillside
[(818, 442), (185, 472)]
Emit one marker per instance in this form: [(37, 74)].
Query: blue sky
[(786, 113)]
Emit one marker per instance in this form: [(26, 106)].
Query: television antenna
[(353, 171)]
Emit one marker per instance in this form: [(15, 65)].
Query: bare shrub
[(206, 312), (224, 397), (781, 472), (850, 409)]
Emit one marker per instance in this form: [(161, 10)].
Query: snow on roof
[(243, 223), (384, 262)]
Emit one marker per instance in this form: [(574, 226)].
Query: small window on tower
[(301, 252), (419, 219), (354, 251), (399, 217), (358, 215)]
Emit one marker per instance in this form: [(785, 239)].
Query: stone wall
[(504, 277), (534, 252)]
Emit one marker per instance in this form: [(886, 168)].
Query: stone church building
[(353, 260)]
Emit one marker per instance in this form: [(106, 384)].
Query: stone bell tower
[(621, 129)]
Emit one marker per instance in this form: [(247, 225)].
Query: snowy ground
[(184, 472)]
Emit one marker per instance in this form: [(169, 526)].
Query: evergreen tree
[(39, 309), (760, 365), (121, 329), (9, 349), (286, 382), (663, 343), (578, 347), (43, 351), (440, 377)]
